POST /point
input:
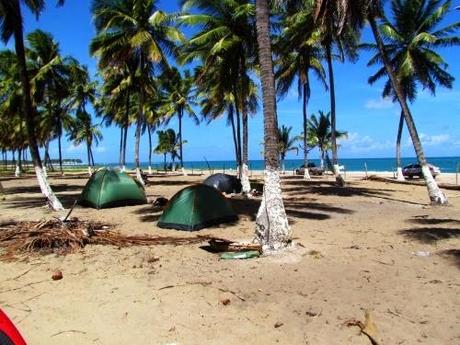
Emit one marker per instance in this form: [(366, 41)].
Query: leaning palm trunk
[(60, 153), (181, 113), (121, 147), (399, 176), (138, 138), (436, 195), (272, 227), (28, 113), (149, 130), (244, 167), (88, 152), (238, 133), (306, 96), (338, 178)]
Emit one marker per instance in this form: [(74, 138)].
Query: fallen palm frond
[(58, 237)]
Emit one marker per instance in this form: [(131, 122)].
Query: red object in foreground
[(9, 335)]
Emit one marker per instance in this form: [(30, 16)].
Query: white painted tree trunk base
[(246, 185), (437, 197), (272, 227), (184, 173), (306, 174), (53, 201), (45, 173), (123, 168), (399, 175), (150, 170), (90, 171), (139, 177), (339, 180), (17, 172)]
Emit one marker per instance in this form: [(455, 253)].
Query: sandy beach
[(370, 246)]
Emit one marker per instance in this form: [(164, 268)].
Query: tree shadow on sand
[(149, 213), (434, 221), (57, 188), (329, 188), (430, 235), (296, 209), (67, 201), (451, 254)]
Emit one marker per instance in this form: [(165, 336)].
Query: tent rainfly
[(224, 183), (196, 207), (109, 188)]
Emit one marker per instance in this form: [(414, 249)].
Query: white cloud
[(434, 140), (100, 149), (361, 144), (75, 148), (381, 103)]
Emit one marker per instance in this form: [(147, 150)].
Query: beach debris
[(421, 254), (57, 275), (249, 254), (54, 236), (225, 301), (160, 202), (223, 245), (367, 327), (278, 324)]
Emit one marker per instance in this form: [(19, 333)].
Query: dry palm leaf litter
[(54, 236)]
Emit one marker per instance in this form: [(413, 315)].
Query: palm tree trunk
[(232, 122), (246, 185), (60, 152), (164, 161), (121, 147), (140, 118), (272, 227), (436, 195), (126, 125), (338, 178), (125, 137), (28, 111), (181, 152), (238, 131), (91, 155), (306, 96), (149, 130), (90, 171), (399, 176)]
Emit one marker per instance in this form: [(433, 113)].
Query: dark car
[(413, 170), (312, 169)]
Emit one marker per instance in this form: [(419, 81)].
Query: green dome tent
[(110, 188), (196, 207)]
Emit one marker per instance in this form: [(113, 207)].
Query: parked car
[(312, 169), (413, 170)]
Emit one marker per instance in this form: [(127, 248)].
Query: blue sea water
[(446, 164)]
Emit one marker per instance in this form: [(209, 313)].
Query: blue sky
[(370, 121)]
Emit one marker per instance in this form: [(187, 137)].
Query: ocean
[(446, 164)]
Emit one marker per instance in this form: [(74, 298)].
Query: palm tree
[(169, 142), (117, 103), (411, 39), (375, 11), (338, 21), (320, 134), (286, 143), (299, 52), (179, 100), (272, 227), (83, 131), (83, 93), (50, 86), (134, 30), (226, 39), (11, 20)]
